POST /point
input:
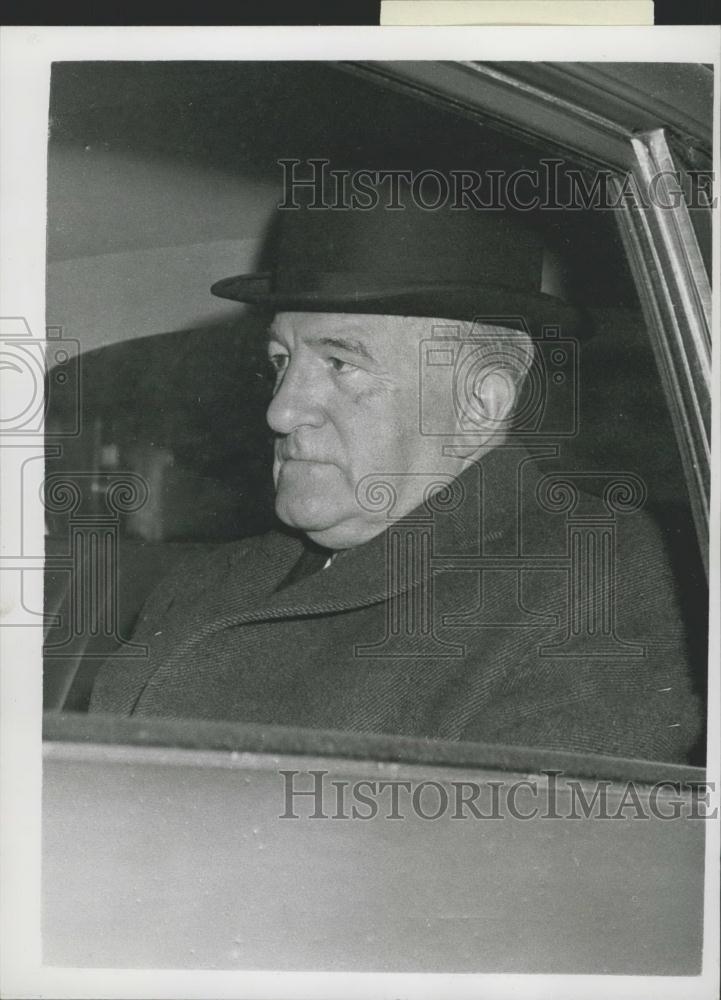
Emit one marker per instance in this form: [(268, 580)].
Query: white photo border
[(26, 57)]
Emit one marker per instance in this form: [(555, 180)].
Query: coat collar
[(358, 577), (480, 517)]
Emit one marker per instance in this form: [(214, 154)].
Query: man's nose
[(295, 402)]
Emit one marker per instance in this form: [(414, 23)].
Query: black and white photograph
[(359, 516)]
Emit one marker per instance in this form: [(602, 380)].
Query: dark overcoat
[(510, 609)]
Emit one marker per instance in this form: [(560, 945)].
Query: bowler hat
[(460, 263)]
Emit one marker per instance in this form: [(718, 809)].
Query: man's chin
[(322, 531), (331, 529), (310, 499), (308, 512), (307, 495), (300, 516)]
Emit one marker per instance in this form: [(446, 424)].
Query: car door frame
[(612, 127)]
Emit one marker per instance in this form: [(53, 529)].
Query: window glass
[(147, 190)]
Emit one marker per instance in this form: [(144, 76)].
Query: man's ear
[(494, 394)]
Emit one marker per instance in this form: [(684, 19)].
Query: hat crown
[(399, 257), (386, 246)]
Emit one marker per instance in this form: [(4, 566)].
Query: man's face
[(345, 406)]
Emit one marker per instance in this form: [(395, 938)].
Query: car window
[(171, 449)]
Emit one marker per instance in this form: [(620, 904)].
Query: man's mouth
[(305, 460), (285, 453)]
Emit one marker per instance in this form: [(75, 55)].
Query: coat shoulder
[(202, 569)]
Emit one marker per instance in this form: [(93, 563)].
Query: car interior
[(171, 389)]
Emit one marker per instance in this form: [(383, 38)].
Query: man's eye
[(338, 365)]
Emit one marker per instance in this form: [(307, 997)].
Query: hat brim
[(489, 304)]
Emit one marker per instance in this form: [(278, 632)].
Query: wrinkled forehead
[(303, 324), (383, 336)]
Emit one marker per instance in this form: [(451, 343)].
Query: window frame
[(609, 126), (666, 263)]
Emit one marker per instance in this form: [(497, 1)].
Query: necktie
[(312, 559)]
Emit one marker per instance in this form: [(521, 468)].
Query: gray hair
[(507, 349)]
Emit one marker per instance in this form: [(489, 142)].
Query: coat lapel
[(362, 576), (245, 592)]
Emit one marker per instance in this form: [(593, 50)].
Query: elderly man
[(426, 579)]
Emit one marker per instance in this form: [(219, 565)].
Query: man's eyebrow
[(349, 344), (346, 344)]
